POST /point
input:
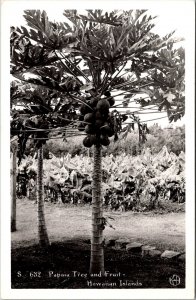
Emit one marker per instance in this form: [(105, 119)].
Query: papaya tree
[(31, 108), (107, 55)]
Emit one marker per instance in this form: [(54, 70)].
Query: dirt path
[(65, 223)]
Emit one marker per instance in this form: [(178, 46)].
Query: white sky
[(168, 19)]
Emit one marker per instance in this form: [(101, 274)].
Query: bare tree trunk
[(13, 189), (42, 231), (139, 141), (97, 251)]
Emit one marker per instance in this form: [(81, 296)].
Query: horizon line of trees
[(172, 138)]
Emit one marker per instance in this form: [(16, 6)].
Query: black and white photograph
[(98, 192)]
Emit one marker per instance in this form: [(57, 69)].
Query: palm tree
[(106, 55)]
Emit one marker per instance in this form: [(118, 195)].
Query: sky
[(167, 20)]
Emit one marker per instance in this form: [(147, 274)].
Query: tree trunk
[(97, 251), (139, 141), (42, 231), (13, 191)]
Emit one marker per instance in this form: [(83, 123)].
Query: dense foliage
[(172, 138), (129, 183), (88, 61)]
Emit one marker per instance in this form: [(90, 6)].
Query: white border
[(8, 9)]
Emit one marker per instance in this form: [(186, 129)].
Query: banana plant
[(91, 59)]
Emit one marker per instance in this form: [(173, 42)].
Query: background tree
[(13, 185), (31, 119), (92, 59)]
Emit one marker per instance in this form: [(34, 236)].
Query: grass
[(69, 229)]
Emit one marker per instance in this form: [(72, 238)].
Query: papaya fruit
[(107, 130), (89, 118), (98, 115), (87, 141), (104, 140), (103, 106), (111, 101), (101, 116), (99, 123), (90, 129), (93, 138), (81, 126), (84, 109), (107, 94), (93, 103)]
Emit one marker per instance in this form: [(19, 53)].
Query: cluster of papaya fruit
[(96, 120)]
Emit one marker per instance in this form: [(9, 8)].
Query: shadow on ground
[(65, 265)]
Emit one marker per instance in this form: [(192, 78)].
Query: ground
[(74, 222), (69, 229)]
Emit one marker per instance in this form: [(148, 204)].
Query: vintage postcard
[(97, 136)]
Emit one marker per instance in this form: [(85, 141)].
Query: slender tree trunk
[(42, 231), (13, 189), (139, 141), (97, 251)]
